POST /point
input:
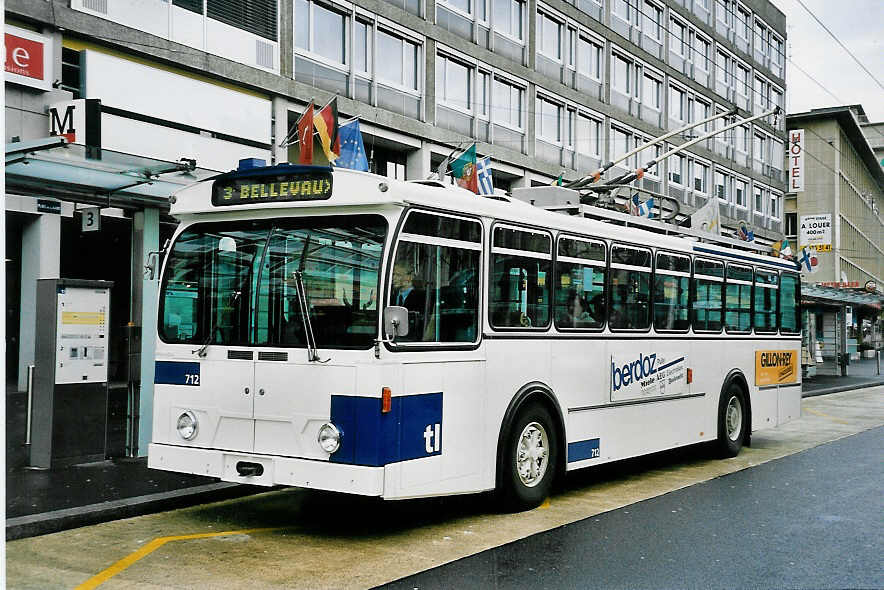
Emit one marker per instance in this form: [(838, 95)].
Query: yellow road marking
[(832, 418), (103, 576), (546, 504)]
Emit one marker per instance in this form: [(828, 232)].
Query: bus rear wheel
[(530, 459), (732, 421)]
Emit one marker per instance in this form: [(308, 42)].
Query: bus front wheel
[(732, 421), (530, 459)]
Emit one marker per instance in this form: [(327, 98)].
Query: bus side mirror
[(395, 321)]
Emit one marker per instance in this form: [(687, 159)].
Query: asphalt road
[(810, 520)]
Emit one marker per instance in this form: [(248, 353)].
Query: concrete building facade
[(843, 180), (543, 87)]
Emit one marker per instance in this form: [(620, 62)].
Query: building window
[(701, 53), (255, 16), (508, 101), (651, 19), (589, 135), (549, 37), (678, 35), (740, 196), (775, 206), (508, 18), (701, 176), (676, 169), (620, 144), (589, 58), (625, 10), (362, 48), (759, 200), (721, 182), (791, 230), (759, 148), (71, 72), (549, 125), (623, 78), (397, 61), (321, 31), (652, 89), (454, 83), (677, 104)]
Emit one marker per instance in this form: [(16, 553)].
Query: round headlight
[(187, 425), (329, 438)]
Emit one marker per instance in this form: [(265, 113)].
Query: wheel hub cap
[(734, 418), (532, 454)]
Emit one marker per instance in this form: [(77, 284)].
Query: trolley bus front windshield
[(235, 283)]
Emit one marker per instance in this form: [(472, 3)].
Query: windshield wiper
[(304, 303)]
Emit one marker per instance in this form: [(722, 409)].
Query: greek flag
[(640, 209), (483, 166)]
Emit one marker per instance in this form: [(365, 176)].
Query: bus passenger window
[(580, 284), (738, 299), (766, 301), (789, 303), (630, 289), (671, 292), (438, 285), (519, 287), (706, 295)]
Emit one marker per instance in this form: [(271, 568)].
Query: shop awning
[(838, 297), (52, 168)]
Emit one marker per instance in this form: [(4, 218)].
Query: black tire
[(528, 490), (733, 421)]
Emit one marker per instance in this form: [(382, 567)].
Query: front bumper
[(287, 471)]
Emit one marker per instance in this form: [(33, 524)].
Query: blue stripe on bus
[(669, 364), (583, 449), (750, 259), (412, 429), (177, 373)]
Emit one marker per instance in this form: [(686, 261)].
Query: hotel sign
[(796, 161)]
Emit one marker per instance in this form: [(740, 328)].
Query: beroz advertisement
[(647, 374)]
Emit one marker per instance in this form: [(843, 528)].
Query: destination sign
[(292, 186)]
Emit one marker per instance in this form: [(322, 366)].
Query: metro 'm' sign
[(28, 58)]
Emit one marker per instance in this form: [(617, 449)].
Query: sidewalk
[(47, 501), (860, 373), (41, 502)]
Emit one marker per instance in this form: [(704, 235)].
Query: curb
[(44, 523), (839, 388)]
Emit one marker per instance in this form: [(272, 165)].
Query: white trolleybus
[(342, 331)]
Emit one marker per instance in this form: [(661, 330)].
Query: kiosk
[(69, 419)]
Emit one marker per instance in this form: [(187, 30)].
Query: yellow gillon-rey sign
[(776, 367)]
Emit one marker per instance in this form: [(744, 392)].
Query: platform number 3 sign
[(90, 218)]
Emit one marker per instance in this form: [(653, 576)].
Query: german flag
[(326, 122)]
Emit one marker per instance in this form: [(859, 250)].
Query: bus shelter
[(84, 213), (839, 325)]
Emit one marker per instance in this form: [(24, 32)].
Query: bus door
[(318, 283)]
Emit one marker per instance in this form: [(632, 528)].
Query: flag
[(326, 123), (808, 261), (558, 181), (464, 170), (782, 249), (708, 218), (483, 172), (745, 233), (305, 135), (636, 207), (352, 148)]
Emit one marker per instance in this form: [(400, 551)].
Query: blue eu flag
[(352, 149)]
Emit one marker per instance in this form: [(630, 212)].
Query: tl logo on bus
[(632, 372)]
